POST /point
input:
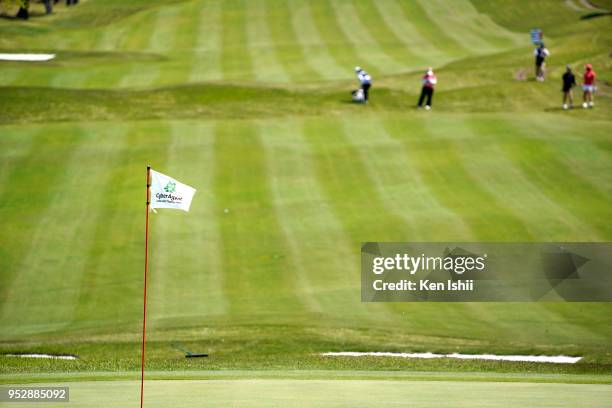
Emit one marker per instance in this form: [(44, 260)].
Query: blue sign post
[(536, 36)]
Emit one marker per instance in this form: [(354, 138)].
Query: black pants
[(426, 91), (48, 6), (366, 91), (23, 13)]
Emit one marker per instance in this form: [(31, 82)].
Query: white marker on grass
[(52, 356), (26, 57), (495, 357)]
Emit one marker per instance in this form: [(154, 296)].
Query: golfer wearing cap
[(365, 80), (540, 54), (569, 81), (588, 86), (429, 81)]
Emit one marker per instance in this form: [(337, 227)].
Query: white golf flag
[(166, 192)]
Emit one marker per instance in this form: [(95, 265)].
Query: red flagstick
[(146, 272)]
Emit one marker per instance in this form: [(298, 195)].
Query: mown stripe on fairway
[(140, 29), (443, 169), (185, 36), (427, 27), (335, 40), (108, 76), (37, 77), (381, 30), (289, 51), (140, 75), (235, 57), (461, 21), (181, 45), (170, 20), (349, 187), (595, 325), (162, 238), (58, 37), (16, 145), (257, 272), (287, 171), (266, 65), (117, 37), (587, 153), (372, 51), (55, 256), (590, 160), (112, 36), (20, 159), (488, 162), (404, 193), (391, 168), (111, 290), (69, 78), (420, 34), (187, 280), (207, 52), (161, 41), (9, 76), (534, 323), (145, 38), (85, 43), (539, 161), (314, 49), (322, 258)]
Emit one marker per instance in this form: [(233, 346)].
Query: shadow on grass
[(32, 14), (557, 109), (350, 102), (596, 14)]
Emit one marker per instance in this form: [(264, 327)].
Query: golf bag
[(358, 95)]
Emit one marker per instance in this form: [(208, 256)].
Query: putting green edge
[(305, 375)]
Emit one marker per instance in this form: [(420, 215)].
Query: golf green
[(332, 393)]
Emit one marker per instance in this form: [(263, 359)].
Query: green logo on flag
[(170, 187)]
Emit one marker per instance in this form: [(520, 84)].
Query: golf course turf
[(248, 102)]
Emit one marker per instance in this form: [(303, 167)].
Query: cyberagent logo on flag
[(169, 193), (170, 187)]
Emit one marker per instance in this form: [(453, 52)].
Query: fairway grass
[(255, 41), (248, 101)]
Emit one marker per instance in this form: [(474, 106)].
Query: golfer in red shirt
[(588, 86), (429, 81)]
